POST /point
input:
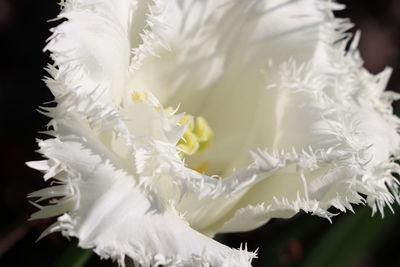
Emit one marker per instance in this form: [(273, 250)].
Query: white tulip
[(280, 117)]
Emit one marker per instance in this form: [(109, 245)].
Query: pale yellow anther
[(203, 132), (187, 119), (188, 143), (197, 137), (140, 96)]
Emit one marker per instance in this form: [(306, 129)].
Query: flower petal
[(238, 36), (107, 210), (92, 42), (338, 123)]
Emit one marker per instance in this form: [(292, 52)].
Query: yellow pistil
[(197, 137)]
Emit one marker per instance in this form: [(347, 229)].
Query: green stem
[(74, 257), (348, 239)]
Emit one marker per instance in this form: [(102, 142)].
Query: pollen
[(197, 137), (140, 96), (202, 168)]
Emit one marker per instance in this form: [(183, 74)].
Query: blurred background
[(352, 240)]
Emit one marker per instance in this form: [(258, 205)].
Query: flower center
[(197, 136)]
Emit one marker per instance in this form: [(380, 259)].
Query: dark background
[(355, 240)]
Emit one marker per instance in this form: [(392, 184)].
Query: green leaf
[(349, 238), (74, 257)]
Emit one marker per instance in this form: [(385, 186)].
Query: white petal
[(108, 211), (343, 133), (213, 41), (92, 43)]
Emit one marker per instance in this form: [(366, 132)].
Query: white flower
[(287, 121)]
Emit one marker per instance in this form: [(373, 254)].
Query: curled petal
[(342, 143)]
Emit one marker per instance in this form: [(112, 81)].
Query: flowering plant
[(176, 120)]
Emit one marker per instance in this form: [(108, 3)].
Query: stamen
[(203, 132), (189, 143), (197, 137)]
